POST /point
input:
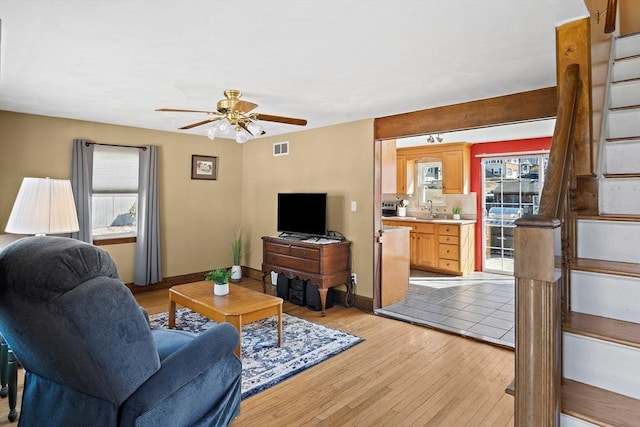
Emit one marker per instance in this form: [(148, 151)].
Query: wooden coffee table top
[(200, 297)]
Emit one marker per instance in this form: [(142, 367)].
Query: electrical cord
[(350, 298), (332, 234)]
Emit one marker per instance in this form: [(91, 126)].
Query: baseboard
[(168, 282)]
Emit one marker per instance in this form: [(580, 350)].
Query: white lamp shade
[(43, 206)]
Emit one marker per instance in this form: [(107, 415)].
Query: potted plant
[(457, 210), (220, 279), (236, 253)]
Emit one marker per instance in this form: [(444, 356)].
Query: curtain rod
[(115, 145)]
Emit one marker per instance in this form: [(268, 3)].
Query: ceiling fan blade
[(280, 119), (193, 125), (175, 110), (244, 106)]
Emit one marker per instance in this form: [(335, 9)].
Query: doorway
[(511, 188)]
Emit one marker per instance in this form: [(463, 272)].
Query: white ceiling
[(327, 61)]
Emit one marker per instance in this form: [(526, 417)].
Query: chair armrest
[(182, 367)]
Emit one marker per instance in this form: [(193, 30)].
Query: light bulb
[(212, 132), (241, 135), (223, 125), (254, 128)]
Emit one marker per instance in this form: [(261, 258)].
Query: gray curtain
[(148, 265), (81, 184)]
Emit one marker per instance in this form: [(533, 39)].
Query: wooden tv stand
[(324, 264)]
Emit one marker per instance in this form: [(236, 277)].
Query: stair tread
[(621, 175), (626, 58), (625, 108), (599, 406), (630, 80), (631, 269), (611, 217), (603, 328), (623, 139)]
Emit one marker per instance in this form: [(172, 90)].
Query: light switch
[(354, 206)]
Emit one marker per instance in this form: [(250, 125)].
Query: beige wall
[(337, 160), (198, 218)]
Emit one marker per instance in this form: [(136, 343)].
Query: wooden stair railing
[(541, 274), (610, 20)]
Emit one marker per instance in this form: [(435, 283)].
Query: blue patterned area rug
[(264, 364)]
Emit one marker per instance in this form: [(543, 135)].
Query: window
[(114, 196), (430, 182)]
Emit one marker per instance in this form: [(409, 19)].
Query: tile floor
[(478, 305)]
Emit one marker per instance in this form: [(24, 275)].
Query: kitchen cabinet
[(395, 265), (441, 247), (456, 165), (389, 166), (423, 243), (401, 174), (454, 178), (405, 175)]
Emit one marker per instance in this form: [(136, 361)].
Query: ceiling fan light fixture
[(212, 132), (224, 125), (241, 135), (254, 129)]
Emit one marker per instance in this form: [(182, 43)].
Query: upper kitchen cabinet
[(456, 164), (404, 175), (389, 166)]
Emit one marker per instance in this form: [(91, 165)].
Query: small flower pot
[(456, 216), (236, 273), (221, 289)]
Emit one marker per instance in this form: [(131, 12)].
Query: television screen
[(302, 213)]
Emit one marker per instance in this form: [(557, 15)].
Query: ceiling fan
[(233, 114)]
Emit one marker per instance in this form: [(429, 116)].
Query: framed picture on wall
[(204, 167)]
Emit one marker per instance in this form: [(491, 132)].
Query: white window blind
[(115, 169), (115, 191)]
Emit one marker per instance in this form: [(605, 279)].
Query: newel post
[(538, 321)]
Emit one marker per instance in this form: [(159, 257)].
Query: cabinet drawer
[(449, 251), (307, 253), (449, 229), (448, 264), (449, 240), (299, 264), (421, 227), (277, 248), (295, 251)]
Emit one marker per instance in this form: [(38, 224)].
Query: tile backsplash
[(466, 201)]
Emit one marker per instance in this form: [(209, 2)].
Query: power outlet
[(354, 278)]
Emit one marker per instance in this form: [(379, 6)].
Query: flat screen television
[(302, 213)]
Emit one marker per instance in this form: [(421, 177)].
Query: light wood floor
[(401, 375)]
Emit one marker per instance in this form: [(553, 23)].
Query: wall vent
[(281, 148)]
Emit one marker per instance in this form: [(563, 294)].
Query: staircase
[(601, 333)]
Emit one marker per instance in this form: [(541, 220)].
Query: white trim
[(511, 154)]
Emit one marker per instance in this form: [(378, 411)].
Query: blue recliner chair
[(89, 356)]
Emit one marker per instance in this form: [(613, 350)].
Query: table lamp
[(43, 206)]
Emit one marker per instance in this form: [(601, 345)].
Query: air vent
[(281, 148)]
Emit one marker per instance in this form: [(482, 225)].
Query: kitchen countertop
[(428, 220)]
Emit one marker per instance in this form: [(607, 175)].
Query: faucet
[(430, 207)]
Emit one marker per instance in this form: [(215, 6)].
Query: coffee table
[(239, 307)]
